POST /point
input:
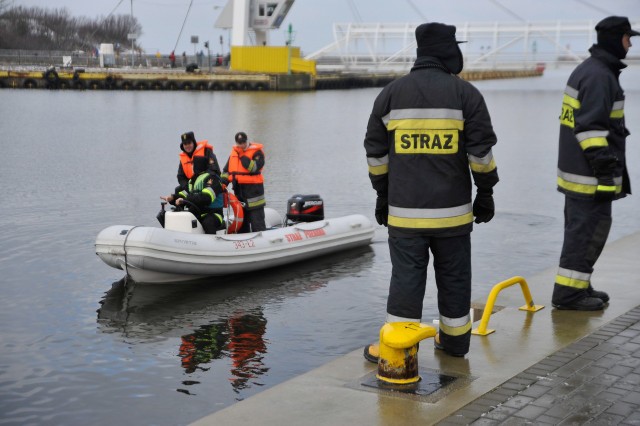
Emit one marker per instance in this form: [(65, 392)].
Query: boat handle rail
[(325, 224)]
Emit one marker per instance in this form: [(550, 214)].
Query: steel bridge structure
[(490, 45)]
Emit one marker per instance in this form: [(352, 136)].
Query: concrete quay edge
[(333, 393)]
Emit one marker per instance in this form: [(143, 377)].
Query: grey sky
[(313, 20)]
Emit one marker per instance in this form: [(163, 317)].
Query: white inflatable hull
[(157, 255)]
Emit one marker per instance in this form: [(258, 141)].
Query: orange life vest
[(187, 162), (237, 171)]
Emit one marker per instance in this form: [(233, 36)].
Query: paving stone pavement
[(595, 380)]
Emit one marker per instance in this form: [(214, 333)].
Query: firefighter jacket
[(592, 128), (244, 170), (185, 168), (428, 134), (205, 191)]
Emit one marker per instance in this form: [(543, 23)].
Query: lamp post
[(289, 42)]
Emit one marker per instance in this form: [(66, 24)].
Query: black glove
[(382, 210), (604, 167), (483, 206), (606, 189)]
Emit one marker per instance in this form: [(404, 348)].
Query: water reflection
[(219, 322)]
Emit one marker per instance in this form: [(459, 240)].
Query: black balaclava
[(439, 41), (200, 164), (610, 32)]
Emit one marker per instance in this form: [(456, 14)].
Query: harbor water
[(78, 346)]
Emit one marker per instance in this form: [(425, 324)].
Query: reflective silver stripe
[(430, 213), (417, 113), (386, 119), (393, 318), (374, 162), (592, 134), (481, 160), (574, 274), (455, 322), (618, 105), (571, 92), (584, 180)]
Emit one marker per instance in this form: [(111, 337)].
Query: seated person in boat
[(191, 149), (204, 191)]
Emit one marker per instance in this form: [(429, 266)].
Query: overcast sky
[(313, 20)]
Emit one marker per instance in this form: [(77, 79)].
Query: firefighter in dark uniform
[(190, 148), (428, 134), (592, 170), (244, 171), (204, 191)]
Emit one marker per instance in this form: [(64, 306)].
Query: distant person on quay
[(244, 171), (592, 170), (191, 149), (429, 137)]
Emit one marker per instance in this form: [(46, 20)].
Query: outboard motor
[(305, 208)]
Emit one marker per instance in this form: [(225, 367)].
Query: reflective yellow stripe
[(210, 193), (379, 170), (572, 102), (483, 168), (572, 282), (580, 188), (378, 166), (606, 188), (455, 326), (618, 110), (425, 123), (424, 223), (591, 142), (485, 164)]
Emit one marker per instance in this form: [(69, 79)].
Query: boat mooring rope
[(124, 249)]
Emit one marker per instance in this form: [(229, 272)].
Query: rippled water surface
[(79, 347)]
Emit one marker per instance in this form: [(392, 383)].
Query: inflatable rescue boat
[(181, 251)]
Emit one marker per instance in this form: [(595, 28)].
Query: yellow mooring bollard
[(398, 361)]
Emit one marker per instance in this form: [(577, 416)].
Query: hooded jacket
[(592, 128), (428, 135)]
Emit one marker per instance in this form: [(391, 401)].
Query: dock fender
[(52, 78), (231, 202)]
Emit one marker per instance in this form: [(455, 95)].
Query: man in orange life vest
[(244, 170), (190, 148)]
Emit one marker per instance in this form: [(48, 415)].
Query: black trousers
[(452, 266), (253, 221), (586, 228)]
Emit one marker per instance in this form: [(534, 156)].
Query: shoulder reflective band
[(569, 103), (424, 118)]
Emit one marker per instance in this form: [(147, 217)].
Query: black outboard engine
[(305, 208)]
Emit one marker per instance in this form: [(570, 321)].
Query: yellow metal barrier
[(488, 309)]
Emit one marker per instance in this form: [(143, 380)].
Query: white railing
[(490, 45)]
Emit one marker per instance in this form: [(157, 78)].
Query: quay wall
[(90, 79)]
